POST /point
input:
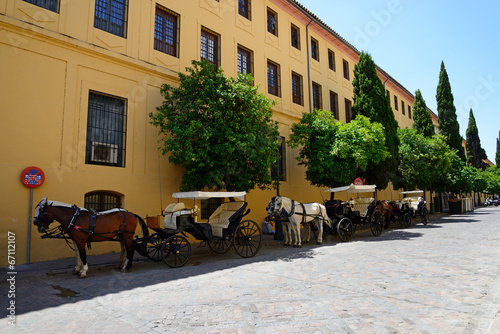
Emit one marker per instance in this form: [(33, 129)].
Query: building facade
[(79, 79)]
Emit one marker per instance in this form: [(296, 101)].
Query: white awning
[(413, 192), (354, 189), (210, 194)]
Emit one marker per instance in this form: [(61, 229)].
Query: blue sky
[(410, 38)]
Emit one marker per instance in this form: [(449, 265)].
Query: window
[(388, 95), (272, 22), (314, 49), (106, 130), (102, 201), (111, 16), (331, 60), (346, 69), (210, 48), (348, 105), (52, 5), (279, 169), (334, 104), (273, 78), (396, 106), (166, 31), (208, 206), (245, 62), (409, 112), (403, 107), (295, 37), (316, 95), (297, 89), (244, 8)]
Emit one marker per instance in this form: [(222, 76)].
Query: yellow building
[(79, 78)]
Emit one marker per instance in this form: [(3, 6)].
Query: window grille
[(52, 5), (106, 130), (272, 22), (244, 9), (316, 95), (396, 105), (166, 31), (403, 107), (346, 69), (295, 37), (334, 104), (348, 105), (278, 170), (314, 49), (102, 201), (273, 79), (111, 16), (210, 48), (331, 60), (245, 61), (297, 89), (409, 112)]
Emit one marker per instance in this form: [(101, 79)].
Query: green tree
[(332, 151), (447, 116), (371, 101), (219, 129), (422, 121), (475, 153)]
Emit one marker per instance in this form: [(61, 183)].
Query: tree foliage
[(447, 116), (332, 151), (422, 121), (475, 153), (371, 101), (219, 129)]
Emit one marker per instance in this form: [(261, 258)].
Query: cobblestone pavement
[(440, 278)]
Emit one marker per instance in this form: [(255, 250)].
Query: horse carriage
[(224, 230), (346, 216), (410, 207)]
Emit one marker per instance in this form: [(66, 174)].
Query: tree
[(422, 121), (447, 116), (371, 101), (219, 129), (332, 151), (475, 153), (497, 155)]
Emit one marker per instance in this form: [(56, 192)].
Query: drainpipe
[(308, 66)]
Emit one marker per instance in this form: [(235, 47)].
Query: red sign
[(358, 182), (32, 177)]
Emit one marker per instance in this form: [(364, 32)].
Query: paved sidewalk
[(440, 278)]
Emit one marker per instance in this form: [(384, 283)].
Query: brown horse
[(84, 227), (386, 208)]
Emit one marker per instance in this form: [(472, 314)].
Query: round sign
[(32, 177), (358, 182)]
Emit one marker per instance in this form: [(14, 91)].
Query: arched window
[(102, 200)]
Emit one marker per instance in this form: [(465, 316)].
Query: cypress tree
[(422, 121), (370, 101), (475, 153), (447, 116)]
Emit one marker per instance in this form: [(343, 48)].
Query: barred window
[(295, 37), (106, 130), (316, 95), (314, 49), (244, 9), (111, 16), (331, 60), (297, 89), (396, 106), (210, 48), (102, 201), (334, 104), (403, 107), (208, 206), (278, 170), (346, 69), (348, 105), (166, 31), (52, 5), (273, 78), (272, 22), (409, 112), (245, 62)]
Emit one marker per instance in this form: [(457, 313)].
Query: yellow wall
[(50, 61)]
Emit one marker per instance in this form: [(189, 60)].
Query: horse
[(386, 207), (83, 226), (297, 213)]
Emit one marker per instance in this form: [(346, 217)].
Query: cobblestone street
[(440, 278)]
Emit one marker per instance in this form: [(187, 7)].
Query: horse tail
[(145, 230)]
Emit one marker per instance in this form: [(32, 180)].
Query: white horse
[(298, 213)]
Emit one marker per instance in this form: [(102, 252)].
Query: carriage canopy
[(354, 189), (210, 194)]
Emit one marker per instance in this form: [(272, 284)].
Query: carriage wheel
[(176, 251), (377, 223), (406, 220), (345, 229), (425, 216), (154, 248), (220, 246), (247, 238)]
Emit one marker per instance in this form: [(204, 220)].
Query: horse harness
[(303, 213)]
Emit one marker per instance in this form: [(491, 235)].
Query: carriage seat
[(219, 220), (411, 201), (360, 205), (172, 211)]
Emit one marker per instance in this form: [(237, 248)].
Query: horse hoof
[(82, 275), (318, 243)]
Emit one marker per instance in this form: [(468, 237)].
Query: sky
[(410, 38)]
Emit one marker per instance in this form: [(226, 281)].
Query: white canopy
[(210, 194), (413, 192), (354, 189)]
